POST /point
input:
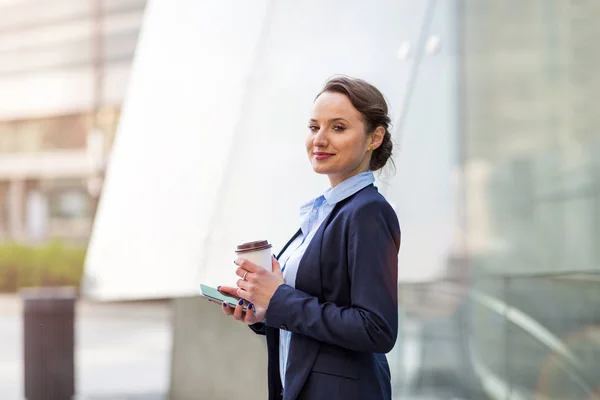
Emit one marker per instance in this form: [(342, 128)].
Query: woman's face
[(337, 143)]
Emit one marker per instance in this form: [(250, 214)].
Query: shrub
[(51, 264)]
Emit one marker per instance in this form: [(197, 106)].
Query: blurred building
[(64, 67), (531, 128), (532, 181), (523, 320)]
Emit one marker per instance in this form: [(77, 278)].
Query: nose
[(320, 138)]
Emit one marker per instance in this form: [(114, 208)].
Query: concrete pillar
[(16, 200), (215, 357)]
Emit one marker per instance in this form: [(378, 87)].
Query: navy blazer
[(343, 312)]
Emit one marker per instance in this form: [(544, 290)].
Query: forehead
[(334, 105)]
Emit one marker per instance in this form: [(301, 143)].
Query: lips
[(322, 156)]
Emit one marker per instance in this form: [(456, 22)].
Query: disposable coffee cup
[(258, 252)]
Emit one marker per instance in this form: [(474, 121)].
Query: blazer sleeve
[(258, 328), (370, 324)]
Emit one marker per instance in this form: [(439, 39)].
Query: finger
[(250, 317), (229, 291), (242, 284), (239, 310), (227, 309), (275, 267), (247, 265), (241, 272), (243, 295)]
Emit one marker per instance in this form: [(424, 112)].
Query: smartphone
[(217, 297)]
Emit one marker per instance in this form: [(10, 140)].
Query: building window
[(69, 204)]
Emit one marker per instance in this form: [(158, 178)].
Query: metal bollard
[(49, 343)]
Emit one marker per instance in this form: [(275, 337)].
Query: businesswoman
[(329, 307)]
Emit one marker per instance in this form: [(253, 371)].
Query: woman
[(332, 313)]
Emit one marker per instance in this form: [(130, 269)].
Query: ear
[(377, 137)]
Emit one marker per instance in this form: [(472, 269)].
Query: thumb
[(275, 267), (230, 291)]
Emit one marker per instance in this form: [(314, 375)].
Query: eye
[(313, 127), (339, 128)]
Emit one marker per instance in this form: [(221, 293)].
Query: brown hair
[(369, 101)]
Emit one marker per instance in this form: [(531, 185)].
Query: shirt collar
[(349, 187)]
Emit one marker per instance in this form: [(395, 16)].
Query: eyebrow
[(332, 120)]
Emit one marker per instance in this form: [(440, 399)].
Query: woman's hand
[(251, 316), (258, 285)]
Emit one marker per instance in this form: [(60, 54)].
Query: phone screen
[(214, 294)]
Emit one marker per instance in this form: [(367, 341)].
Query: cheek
[(351, 148)]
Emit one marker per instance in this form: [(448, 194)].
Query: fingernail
[(250, 306), (241, 302), (218, 287), (224, 304)]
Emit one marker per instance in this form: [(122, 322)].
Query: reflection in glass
[(529, 126)]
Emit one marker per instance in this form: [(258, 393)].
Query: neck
[(336, 179)]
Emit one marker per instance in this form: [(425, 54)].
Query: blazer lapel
[(298, 232), (308, 278), (303, 350)]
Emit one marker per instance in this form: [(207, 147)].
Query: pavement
[(123, 353), (122, 350)]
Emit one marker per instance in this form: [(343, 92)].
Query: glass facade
[(531, 143), (515, 312)]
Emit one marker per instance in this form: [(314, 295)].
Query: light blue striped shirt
[(312, 214)]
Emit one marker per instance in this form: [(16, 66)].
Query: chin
[(323, 171), (319, 168)]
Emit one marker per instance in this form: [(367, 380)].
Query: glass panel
[(533, 204), (512, 122)]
